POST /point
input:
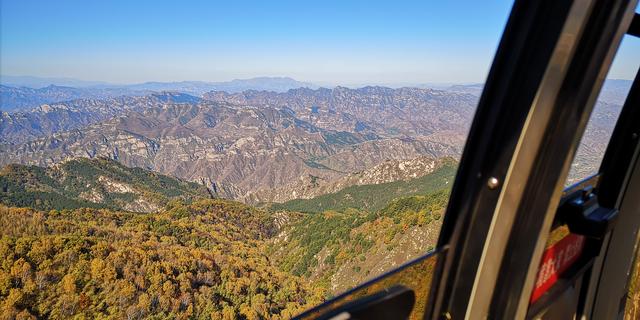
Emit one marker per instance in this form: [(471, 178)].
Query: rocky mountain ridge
[(47, 119), (24, 98), (258, 146), (384, 111), (310, 186), (238, 148)]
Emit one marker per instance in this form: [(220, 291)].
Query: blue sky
[(336, 42)]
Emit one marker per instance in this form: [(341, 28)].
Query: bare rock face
[(307, 187), (377, 110), (47, 119)]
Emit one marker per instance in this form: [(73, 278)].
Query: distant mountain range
[(23, 93), (257, 145), (14, 99), (276, 84), (243, 145), (47, 119)]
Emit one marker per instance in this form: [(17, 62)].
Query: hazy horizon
[(97, 82), (330, 42)]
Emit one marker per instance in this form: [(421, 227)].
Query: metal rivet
[(493, 183)]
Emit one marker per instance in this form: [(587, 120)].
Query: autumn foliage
[(203, 260)]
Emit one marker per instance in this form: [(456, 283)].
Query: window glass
[(415, 276), (606, 112)]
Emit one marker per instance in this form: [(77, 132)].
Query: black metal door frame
[(541, 89), (618, 188)]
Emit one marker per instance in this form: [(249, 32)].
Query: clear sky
[(334, 42)]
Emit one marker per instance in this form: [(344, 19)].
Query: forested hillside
[(201, 261), (97, 183), (375, 196), (339, 249), (210, 259)]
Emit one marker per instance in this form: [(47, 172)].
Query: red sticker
[(556, 259)]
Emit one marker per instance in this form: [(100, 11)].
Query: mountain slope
[(307, 187), (379, 110), (97, 183), (203, 261), (340, 249), (242, 149), (375, 196), (209, 258)]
